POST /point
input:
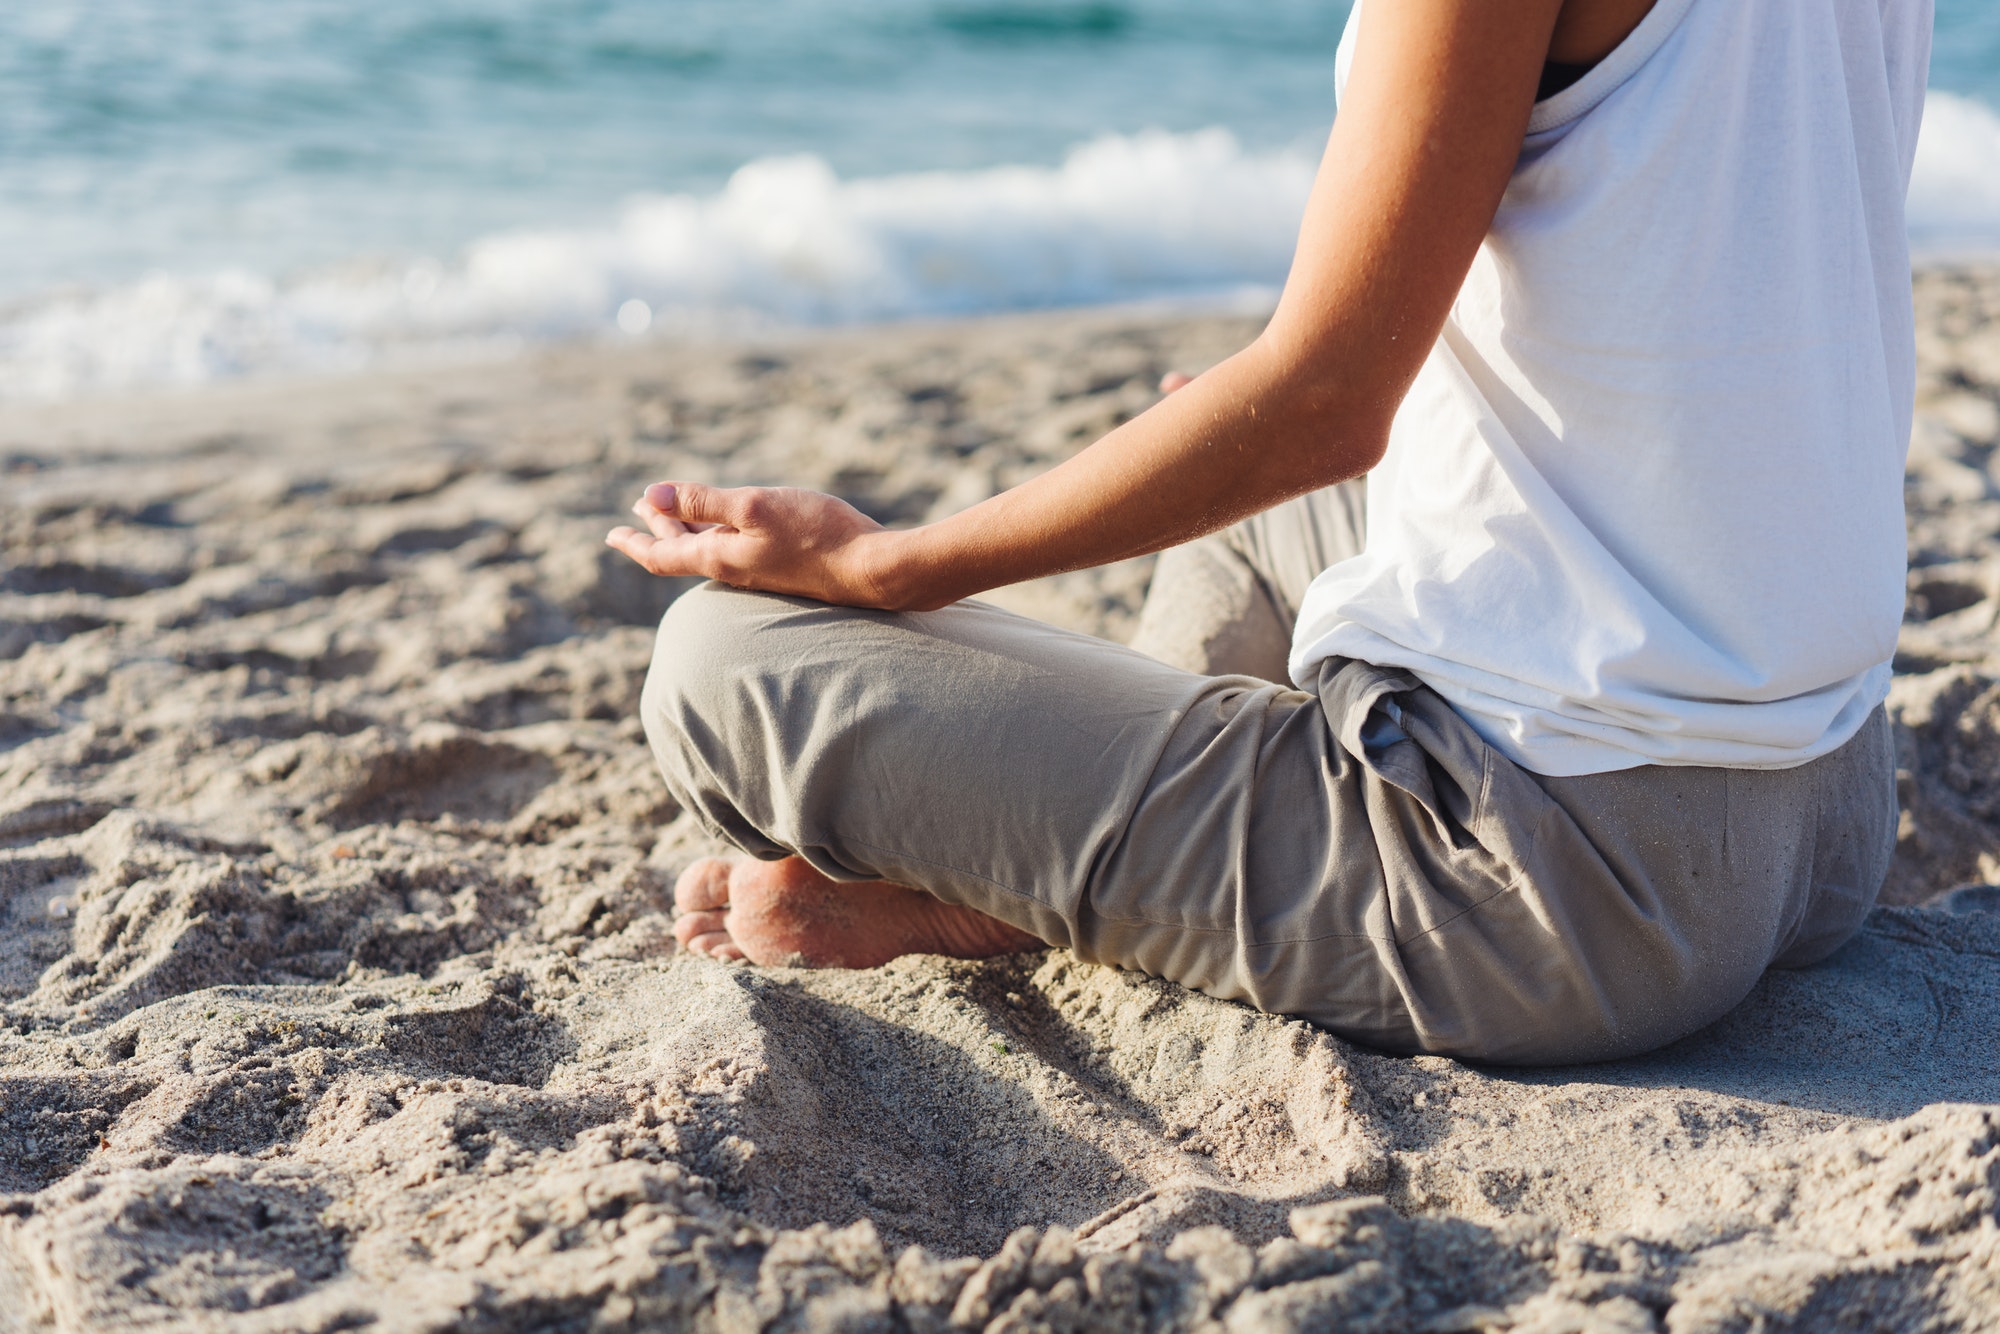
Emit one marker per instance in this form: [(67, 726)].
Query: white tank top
[(1644, 503)]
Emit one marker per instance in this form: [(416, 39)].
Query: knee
[(691, 652), (701, 710), (702, 669)]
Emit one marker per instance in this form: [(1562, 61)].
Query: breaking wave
[(786, 242)]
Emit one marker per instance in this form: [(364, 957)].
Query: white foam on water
[(787, 242), (1955, 193)]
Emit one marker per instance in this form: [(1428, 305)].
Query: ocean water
[(194, 192)]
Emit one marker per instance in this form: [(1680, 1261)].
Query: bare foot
[(788, 914)]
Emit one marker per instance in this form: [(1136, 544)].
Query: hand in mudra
[(787, 540), (774, 539)]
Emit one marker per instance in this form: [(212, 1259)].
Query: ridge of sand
[(336, 988)]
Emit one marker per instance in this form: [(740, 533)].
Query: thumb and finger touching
[(658, 521), (667, 544), (780, 539), (692, 529), (700, 506)]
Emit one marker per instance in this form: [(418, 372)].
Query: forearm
[(1258, 429), (1423, 149), (1414, 170)]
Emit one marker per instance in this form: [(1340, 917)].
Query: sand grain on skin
[(337, 988)]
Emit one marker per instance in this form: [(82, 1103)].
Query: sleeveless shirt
[(1643, 503)]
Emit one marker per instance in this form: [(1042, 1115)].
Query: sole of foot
[(786, 914)]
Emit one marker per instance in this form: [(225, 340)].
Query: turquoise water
[(156, 133), (1966, 57), (190, 191)]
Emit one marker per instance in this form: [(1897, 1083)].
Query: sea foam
[(787, 242), (1955, 192)]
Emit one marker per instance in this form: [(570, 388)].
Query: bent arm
[(1429, 130)]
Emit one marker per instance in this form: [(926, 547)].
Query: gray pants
[(1353, 854)]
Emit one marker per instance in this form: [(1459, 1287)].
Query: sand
[(337, 989)]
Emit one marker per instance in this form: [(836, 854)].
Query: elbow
[(1340, 410), (1340, 457), (1343, 435), (1361, 452)]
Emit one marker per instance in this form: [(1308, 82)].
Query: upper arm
[(1430, 127)]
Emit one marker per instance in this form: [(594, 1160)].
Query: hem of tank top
[(1625, 60)]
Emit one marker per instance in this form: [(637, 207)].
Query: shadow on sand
[(1900, 1017)]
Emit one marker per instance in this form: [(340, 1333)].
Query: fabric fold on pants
[(1356, 856)]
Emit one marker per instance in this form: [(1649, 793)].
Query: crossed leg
[(1222, 605)]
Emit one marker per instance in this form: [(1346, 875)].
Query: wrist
[(899, 573)]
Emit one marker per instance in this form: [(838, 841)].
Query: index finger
[(659, 521), (649, 552)]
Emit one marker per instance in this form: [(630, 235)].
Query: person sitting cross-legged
[(1545, 747)]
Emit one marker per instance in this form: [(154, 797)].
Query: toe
[(703, 887), (689, 926), (704, 934), (715, 945)]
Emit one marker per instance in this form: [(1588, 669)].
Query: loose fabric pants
[(1353, 854)]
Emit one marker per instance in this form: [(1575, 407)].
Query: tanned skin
[(1430, 125)]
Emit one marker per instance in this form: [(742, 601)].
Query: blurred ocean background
[(196, 191)]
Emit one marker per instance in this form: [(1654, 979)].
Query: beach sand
[(337, 989)]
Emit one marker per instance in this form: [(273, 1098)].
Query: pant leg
[(1682, 884), (1202, 829), (1359, 857), (1538, 920), (1854, 841), (1225, 604)]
